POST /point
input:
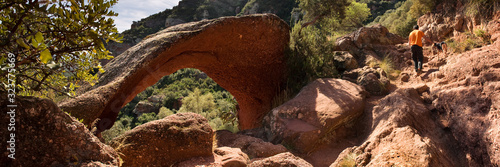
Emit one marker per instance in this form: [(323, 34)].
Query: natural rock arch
[(244, 55)]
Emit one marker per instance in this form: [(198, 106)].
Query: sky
[(135, 10)]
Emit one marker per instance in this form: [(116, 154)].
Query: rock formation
[(46, 136), (403, 134), (222, 157), (245, 55), (369, 43), (166, 141), (468, 99), (316, 114), (253, 147), (283, 159)]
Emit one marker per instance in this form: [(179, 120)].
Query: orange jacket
[(416, 38)]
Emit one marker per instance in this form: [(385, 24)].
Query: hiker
[(417, 54)]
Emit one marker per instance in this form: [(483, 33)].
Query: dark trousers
[(417, 54)]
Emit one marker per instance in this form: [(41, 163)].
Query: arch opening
[(186, 90)]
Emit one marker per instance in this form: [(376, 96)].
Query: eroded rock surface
[(46, 136), (468, 102), (253, 147), (316, 114), (286, 159), (404, 134), (166, 141), (244, 55)]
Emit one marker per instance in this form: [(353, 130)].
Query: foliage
[(146, 117), (483, 8), (315, 10), (197, 102), (311, 46), (120, 127), (379, 7), (201, 95), (388, 66), (467, 41), (164, 112), (349, 160), (56, 44), (282, 8), (401, 20)]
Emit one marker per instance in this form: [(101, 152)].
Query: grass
[(469, 41), (119, 146), (349, 160), (387, 65)]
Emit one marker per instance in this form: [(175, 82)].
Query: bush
[(466, 41), (164, 112), (144, 118), (120, 127), (401, 20)]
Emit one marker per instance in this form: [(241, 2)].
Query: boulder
[(166, 141), (319, 111), (253, 147), (156, 98), (245, 55), (403, 134), (369, 42), (375, 35), (344, 61), (145, 107), (222, 157), (43, 135), (373, 84), (374, 80), (286, 159)]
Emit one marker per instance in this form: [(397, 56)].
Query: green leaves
[(45, 56), (39, 37), (50, 39), (21, 43)]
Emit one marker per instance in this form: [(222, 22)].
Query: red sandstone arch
[(244, 55)]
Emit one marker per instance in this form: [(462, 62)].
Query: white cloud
[(135, 10)]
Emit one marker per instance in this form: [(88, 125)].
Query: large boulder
[(367, 37), (253, 147), (40, 134), (373, 42), (403, 134), (317, 114), (286, 159), (374, 80), (165, 142), (245, 55)]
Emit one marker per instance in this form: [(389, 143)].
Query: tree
[(57, 44), (199, 103), (316, 10)]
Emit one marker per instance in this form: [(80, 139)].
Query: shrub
[(465, 42), (164, 112), (120, 127), (144, 118)]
